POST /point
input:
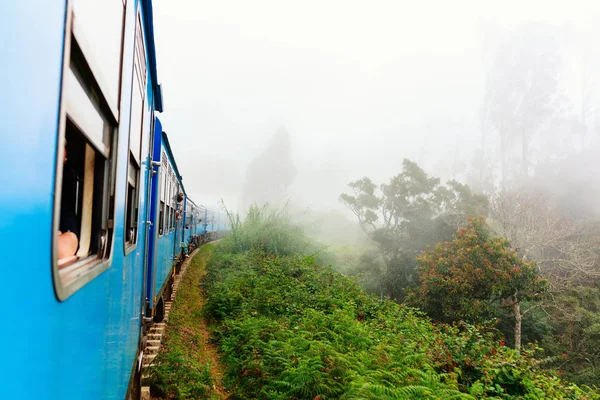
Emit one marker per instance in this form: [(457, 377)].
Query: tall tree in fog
[(554, 223), (522, 95), (539, 229), (588, 102), (407, 214), (270, 174)]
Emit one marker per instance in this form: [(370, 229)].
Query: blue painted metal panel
[(85, 346), (164, 262)]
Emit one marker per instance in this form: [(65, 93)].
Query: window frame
[(128, 247), (76, 59), (161, 195), (142, 81)]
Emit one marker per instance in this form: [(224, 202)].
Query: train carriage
[(93, 203), (84, 88), (195, 225), (166, 232)]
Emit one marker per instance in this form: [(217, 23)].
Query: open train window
[(161, 202), (172, 204), (172, 219), (131, 212), (167, 219), (162, 188), (189, 217), (136, 133), (161, 219), (167, 208), (83, 223)]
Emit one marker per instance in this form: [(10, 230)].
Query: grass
[(269, 229), (187, 366)]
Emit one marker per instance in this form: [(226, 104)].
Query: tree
[(410, 212), (538, 229), (573, 343), (522, 94), (467, 278), (271, 173), (561, 233)]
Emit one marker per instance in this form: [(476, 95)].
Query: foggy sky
[(359, 85)]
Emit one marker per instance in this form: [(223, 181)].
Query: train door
[(178, 204), (150, 210), (155, 218)]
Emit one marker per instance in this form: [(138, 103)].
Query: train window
[(85, 170), (169, 217), (174, 205), (131, 213), (136, 126), (167, 209), (172, 209), (162, 188), (161, 220), (172, 219), (98, 28), (167, 203), (189, 217)]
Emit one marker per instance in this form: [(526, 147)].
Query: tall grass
[(269, 230)]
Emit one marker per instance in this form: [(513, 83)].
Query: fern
[(289, 329)]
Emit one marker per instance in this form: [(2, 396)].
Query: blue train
[(95, 218)]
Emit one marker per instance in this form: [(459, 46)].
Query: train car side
[(79, 317), (82, 96)]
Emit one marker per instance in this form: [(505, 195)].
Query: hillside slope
[(290, 329)]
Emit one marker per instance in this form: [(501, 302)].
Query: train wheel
[(134, 389)]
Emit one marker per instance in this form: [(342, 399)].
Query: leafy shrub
[(290, 329)]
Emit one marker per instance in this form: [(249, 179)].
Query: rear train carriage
[(195, 217)]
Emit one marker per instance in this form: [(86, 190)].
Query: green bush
[(290, 329)]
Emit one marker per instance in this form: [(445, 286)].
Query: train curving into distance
[(95, 218)]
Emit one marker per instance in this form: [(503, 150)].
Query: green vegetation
[(543, 244), (406, 215), (184, 368), (574, 338), (289, 328), (471, 277), (268, 229)]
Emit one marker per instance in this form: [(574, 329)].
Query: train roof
[(199, 206), (149, 29)]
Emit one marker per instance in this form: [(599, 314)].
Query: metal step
[(148, 358), (152, 349)]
